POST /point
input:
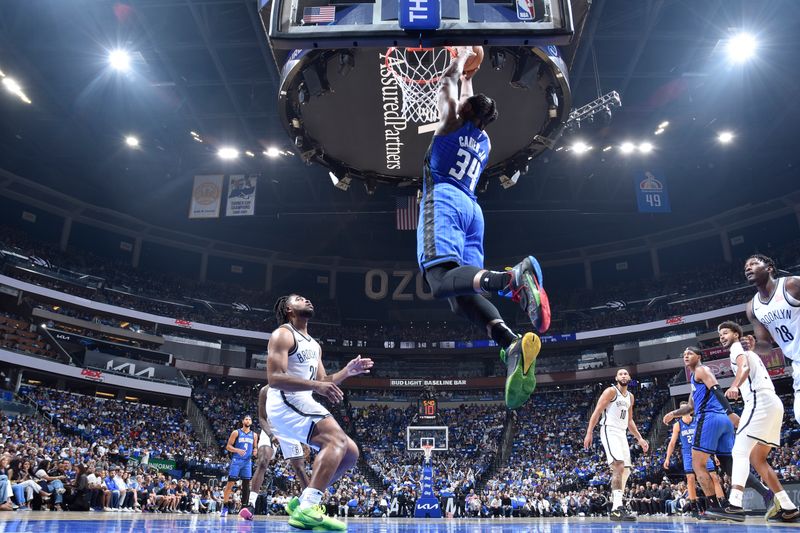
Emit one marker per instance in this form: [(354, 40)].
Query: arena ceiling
[(205, 66)]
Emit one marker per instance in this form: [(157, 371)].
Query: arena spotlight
[(725, 137), (659, 131), (580, 147), (663, 125), (742, 47), (248, 153), (227, 152), (14, 88), (627, 147), (119, 60), (343, 183), (272, 152), (132, 141), (607, 148), (645, 147)]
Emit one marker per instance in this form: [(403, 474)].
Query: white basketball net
[(427, 449), (418, 72)]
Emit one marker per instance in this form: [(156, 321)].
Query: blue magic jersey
[(458, 158), (244, 441), (687, 435), (704, 399)]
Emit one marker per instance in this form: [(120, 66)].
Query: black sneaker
[(621, 515), (730, 512), (789, 515)]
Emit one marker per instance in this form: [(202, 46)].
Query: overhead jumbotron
[(359, 79)]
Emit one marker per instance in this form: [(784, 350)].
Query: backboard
[(359, 23), (419, 436)]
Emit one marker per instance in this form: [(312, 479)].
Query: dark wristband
[(722, 399)]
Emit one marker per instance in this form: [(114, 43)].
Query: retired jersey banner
[(241, 195), (206, 196), (651, 192)]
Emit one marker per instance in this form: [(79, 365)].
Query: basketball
[(474, 62)]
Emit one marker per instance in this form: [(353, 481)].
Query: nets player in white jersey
[(268, 444), (775, 314), (614, 411), (294, 372), (759, 428)]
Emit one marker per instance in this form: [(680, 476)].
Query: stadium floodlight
[(14, 88), (663, 125), (272, 152), (580, 147), (343, 183), (248, 153), (627, 147), (227, 152), (132, 141), (725, 137), (119, 60), (742, 47), (607, 148), (659, 131), (645, 147)]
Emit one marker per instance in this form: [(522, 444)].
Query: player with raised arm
[(295, 371), (774, 312), (451, 228), (614, 411)]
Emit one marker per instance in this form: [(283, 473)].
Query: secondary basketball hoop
[(418, 72)]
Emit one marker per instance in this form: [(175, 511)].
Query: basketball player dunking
[(615, 406), (291, 449), (294, 372), (240, 444), (775, 314), (450, 231)]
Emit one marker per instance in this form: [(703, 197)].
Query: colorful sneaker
[(789, 515), (311, 518), (291, 505), (224, 512), (526, 288), (247, 512), (520, 360)]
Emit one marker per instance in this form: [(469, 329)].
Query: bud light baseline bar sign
[(419, 15)]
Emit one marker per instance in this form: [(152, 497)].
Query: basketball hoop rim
[(453, 53)]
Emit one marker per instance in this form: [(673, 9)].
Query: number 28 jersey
[(458, 158), (781, 316)]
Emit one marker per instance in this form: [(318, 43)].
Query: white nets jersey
[(781, 316), (303, 359), (617, 413), (757, 379)]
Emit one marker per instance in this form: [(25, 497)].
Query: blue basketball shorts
[(240, 469), (714, 434), (450, 228), (687, 464)]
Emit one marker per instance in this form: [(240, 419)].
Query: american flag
[(319, 14), (407, 212)]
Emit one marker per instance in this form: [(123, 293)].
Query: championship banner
[(241, 195), (651, 192), (206, 196)]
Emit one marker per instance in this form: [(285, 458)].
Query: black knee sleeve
[(726, 462), (446, 282), (245, 492)]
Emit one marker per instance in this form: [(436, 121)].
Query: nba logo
[(525, 10)]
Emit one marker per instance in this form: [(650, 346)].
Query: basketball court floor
[(35, 522)]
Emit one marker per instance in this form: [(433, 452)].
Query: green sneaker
[(521, 362), (291, 505), (313, 519)]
